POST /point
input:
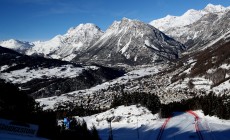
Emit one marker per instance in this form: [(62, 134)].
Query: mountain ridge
[(61, 47), (206, 26), (128, 40)]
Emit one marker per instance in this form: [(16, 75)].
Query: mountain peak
[(188, 17), (20, 46), (131, 42), (126, 19), (83, 27), (123, 24), (214, 8)]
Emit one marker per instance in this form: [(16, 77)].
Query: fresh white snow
[(16, 44), (187, 18), (27, 74), (138, 123), (61, 46), (123, 50)]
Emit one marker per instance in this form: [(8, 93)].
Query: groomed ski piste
[(138, 123)]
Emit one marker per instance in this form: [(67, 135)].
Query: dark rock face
[(131, 42)]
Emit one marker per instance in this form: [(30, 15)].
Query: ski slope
[(137, 123)]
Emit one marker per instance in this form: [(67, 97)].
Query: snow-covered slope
[(169, 21), (187, 18), (137, 123), (132, 42), (20, 46), (207, 70), (68, 45), (196, 28), (41, 77)]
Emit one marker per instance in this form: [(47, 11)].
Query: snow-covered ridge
[(65, 46), (124, 42), (187, 18), (215, 8), (17, 45), (62, 47)]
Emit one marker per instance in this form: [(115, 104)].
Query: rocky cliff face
[(131, 42), (196, 28)]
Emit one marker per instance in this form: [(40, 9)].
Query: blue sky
[(31, 20)]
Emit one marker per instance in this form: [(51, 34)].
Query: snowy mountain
[(63, 47), (66, 46), (201, 73), (131, 42), (196, 28), (20, 46)]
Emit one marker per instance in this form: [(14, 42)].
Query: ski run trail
[(137, 123)]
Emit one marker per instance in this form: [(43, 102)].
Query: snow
[(225, 66), (222, 87), (27, 74), (201, 83), (50, 101), (16, 44), (123, 50), (2, 68), (119, 40), (187, 18), (130, 116), (61, 46), (46, 47), (69, 57), (227, 34), (210, 71), (131, 122), (135, 58), (147, 42), (214, 8)]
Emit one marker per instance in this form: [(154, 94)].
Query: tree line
[(18, 106), (211, 104)]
